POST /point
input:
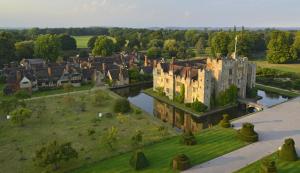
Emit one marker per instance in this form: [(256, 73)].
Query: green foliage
[(201, 45), (160, 91), (181, 162), (104, 46), (156, 43), (154, 52), (110, 137), (7, 47), (171, 48), (9, 104), (138, 160), (251, 92), (137, 138), (188, 138), (24, 49), (136, 76), (53, 153), (91, 42), (19, 115), (100, 98), (122, 105), (198, 106), (91, 132), (22, 94), (68, 87), (219, 44), (47, 47), (288, 151), (67, 42), (296, 45), (268, 166), (279, 48), (247, 133), (225, 123), (83, 54), (228, 96), (179, 97)]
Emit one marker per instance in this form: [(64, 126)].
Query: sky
[(149, 13)]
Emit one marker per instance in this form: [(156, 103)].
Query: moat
[(182, 120)]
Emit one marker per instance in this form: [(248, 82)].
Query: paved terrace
[(273, 126)]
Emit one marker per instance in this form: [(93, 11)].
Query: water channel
[(182, 120)]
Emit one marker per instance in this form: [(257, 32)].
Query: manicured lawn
[(211, 144), (82, 41), (61, 118), (282, 166), (283, 67), (277, 90)]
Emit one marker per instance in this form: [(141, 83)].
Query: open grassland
[(283, 67), (63, 119), (82, 41), (282, 166), (211, 144)]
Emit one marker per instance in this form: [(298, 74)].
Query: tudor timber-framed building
[(204, 77)]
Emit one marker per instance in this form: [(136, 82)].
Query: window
[(230, 71)]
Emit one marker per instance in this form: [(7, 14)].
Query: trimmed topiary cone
[(188, 138), (268, 166), (181, 162), (247, 133), (139, 161), (288, 151), (225, 123)]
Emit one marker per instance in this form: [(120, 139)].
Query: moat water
[(182, 120)]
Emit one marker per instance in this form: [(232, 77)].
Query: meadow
[(82, 41)]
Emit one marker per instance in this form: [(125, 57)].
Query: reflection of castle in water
[(175, 117)]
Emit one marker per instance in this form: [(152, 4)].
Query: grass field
[(211, 144), (278, 90), (62, 119), (283, 67), (82, 41), (282, 166)]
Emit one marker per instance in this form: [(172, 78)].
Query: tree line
[(51, 43)]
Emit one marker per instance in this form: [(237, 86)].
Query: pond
[(185, 121)]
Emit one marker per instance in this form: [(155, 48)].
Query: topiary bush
[(122, 106), (225, 123), (268, 166), (288, 151), (139, 161), (188, 138), (247, 133), (181, 162)]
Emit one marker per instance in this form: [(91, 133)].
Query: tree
[(91, 42), (154, 52), (7, 105), (67, 42), (54, 153), (171, 48), (19, 115), (245, 44), (24, 49), (296, 45), (104, 46), (137, 138), (47, 47), (219, 44), (7, 47), (279, 48), (120, 43), (191, 37), (156, 43), (200, 45), (110, 137), (83, 54)]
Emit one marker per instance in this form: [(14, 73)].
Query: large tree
[(104, 46), (280, 48), (19, 115), (170, 48), (47, 47), (91, 42), (67, 42), (24, 49), (154, 52), (156, 43), (245, 44), (191, 37), (7, 47), (53, 153), (296, 45), (200, 45), (219, 44)]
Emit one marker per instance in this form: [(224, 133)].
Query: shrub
[(138, 160), (91, 132), (225, 123), (188, 138), (160, 91), (22, 94), (247, 133), (122, 106), (251, 92), (181, 162), (268, 166), (288, 151), (198, 106), (100, 98), (137, 111)]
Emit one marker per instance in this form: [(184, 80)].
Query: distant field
[(82, 41), (283, 67)]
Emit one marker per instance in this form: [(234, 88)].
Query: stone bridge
[(251, 103)]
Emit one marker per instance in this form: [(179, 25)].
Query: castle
[(204, 78)]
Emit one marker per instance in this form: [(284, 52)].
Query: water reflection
[(182, 120)]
